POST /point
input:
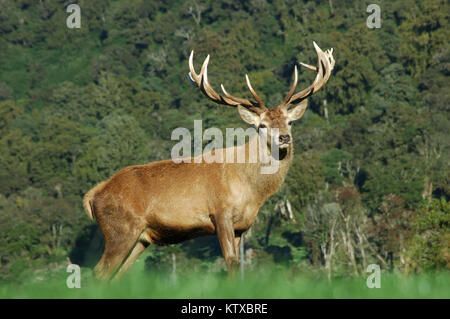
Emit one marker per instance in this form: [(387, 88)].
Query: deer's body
[(203, 191), (166, 202)]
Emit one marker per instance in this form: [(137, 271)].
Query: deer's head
[(275, 124)]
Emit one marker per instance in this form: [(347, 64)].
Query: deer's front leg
[(225, 232)]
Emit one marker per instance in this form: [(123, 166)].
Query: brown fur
[(166, 203), (87, 200)]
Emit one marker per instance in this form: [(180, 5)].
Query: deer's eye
[(290, 123), (262, 126)]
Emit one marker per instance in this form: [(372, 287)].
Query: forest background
[(369, 183)]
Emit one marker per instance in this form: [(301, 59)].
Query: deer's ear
[(297, 111), (248, 116)]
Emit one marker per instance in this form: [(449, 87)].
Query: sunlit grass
[(261, 283)]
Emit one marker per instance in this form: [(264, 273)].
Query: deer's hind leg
[(137, 250), (121, 232)]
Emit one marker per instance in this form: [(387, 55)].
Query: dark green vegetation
[(370, 178)]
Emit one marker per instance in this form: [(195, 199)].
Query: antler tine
[(252, 106), (257, 107), (257, 98), (292, 89), (308, 66), (201, 80), (325, 64), (234, 98), (192, 74), (206, 87)]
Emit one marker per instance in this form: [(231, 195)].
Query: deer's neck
[(267, 184)]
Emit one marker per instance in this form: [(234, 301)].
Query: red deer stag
[(165, 202)]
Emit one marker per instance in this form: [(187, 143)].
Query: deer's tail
[(88, 198)]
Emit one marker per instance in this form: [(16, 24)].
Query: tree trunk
[(174, 268), (269, 229), (427, 188), (361, 246), (347, 239), (328, 256), (242, 256), (325, 110)]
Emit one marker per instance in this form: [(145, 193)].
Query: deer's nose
[(284, 139)]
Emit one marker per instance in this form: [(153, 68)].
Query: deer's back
[(174, 198)]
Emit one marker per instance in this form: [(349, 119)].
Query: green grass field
[(261, 283)]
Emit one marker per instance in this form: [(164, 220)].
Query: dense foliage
[(370, 178)]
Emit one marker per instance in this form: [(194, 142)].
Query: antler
[(201, 80), (325, 64)]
